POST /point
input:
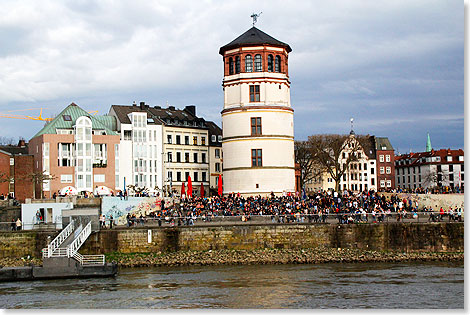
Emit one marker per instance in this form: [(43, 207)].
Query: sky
[(396, 67)]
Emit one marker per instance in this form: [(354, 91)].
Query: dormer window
[(67, 117), (230, 66), (248, 63), (258, 63), (278, 64), (270, 63)]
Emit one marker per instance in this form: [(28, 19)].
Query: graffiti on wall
[(119, 208)]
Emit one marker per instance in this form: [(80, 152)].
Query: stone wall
[(20, 244), (432, 237)]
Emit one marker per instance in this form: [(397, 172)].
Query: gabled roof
[(214, 130), (75, 111), (383, 144), (170, 116), (253, 37)]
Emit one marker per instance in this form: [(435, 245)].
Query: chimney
[(142, 105), (21, 143), (190, 109), (171, 108), (134, 104)]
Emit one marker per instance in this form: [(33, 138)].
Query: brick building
[(17, 165), (77, 149), (385, 156)]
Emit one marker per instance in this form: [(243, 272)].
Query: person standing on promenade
[(18, 224)]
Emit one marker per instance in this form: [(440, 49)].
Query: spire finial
[(428, 144), (255, 17), (352, 125)]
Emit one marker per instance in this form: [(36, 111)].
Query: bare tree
[(38, 179), (7, 140), (434, 178), (303, 156), (328, 149)]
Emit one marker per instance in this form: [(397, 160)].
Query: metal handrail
[(55, 244), (89, 259), (79, 240)]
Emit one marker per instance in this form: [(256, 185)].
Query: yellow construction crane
[(94, 112)]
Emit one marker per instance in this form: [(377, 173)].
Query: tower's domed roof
[(253, 37)]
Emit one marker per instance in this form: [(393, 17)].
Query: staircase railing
[(89, 259), (58, 240), (79, 240)]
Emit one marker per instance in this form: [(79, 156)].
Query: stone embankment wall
[(433, 237), (436, 201)]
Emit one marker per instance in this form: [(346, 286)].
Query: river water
[(366, 285)]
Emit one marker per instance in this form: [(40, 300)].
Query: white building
[(161, 147), (441, 168), (257, 119), (139, 160)]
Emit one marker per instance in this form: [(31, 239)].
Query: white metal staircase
[(71, 251)]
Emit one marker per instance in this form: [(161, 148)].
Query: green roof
[(107, 123)]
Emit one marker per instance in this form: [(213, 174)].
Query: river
[(366, 285)]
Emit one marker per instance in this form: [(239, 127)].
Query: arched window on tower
[(278, 64), (270, 63), (258, 63), (237, 64), (248, 63), (230, 65)]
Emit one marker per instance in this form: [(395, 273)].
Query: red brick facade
[(385, 162), (22, 186)]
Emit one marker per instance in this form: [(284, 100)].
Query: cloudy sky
[(397, 66)]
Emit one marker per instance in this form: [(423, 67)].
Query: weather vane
[(255, 17)]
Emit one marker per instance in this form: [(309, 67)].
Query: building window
[(278, 64), (214, 138), (382, 170), (248, 63), (178, 157), (256, 157), (178, 176), (365, 166), (196, 179), (99, 178), (127, 135), (254, 93), (186, 175), (217, 167), (217, 153), (66, 178), (389, 170), (387, 158), (203, 140), (219, 138), (195, 140), (372, 171), (203, 176), (381, 158), (451, 177), (237, 64), (169, 157), (258, 63), (449, 158), (203, 157), (255, 126), (372, 181), (186, 157), (451, 168), (195, 157), (230, 66), (186, 140), (178, 139), (168, 139), (270, 63)]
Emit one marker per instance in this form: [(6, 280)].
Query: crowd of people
[(346, 207)]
